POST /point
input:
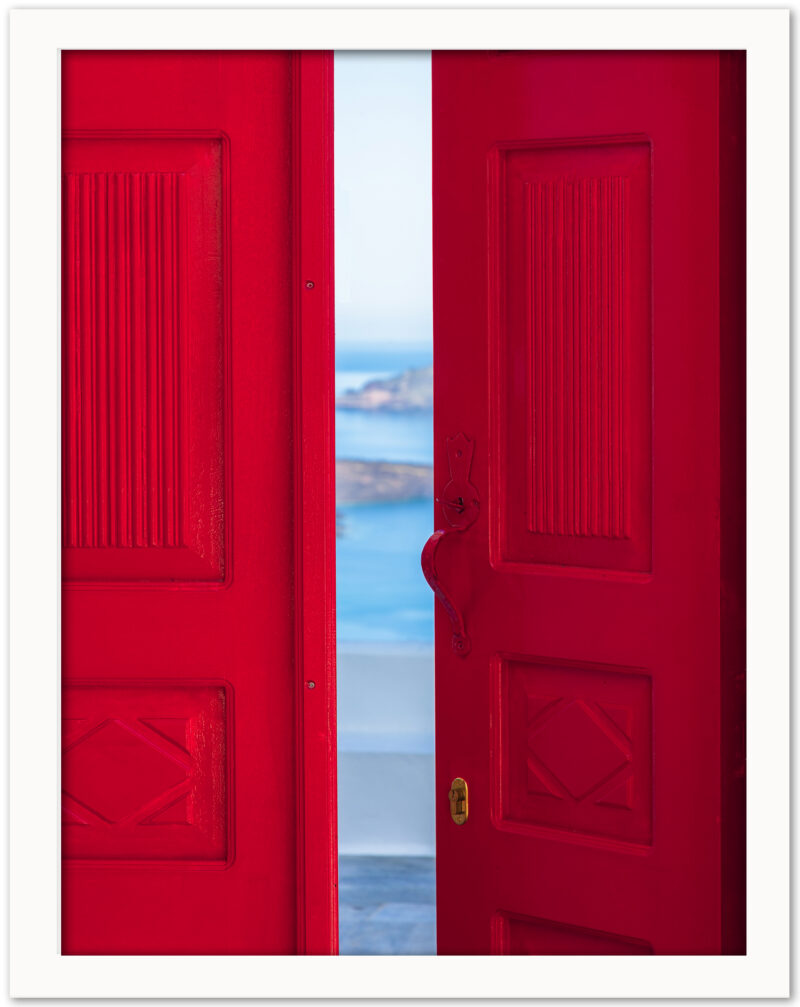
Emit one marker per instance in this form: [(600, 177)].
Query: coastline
[(368, 482)]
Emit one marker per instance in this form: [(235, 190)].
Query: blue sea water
[(391, 358), (381, 593), (385, 437)]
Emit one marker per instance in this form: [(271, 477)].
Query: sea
[(381, 595)]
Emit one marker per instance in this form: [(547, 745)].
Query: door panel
[(190, 741), (517, 935), (571, 240), (146, 283), (589, 345)]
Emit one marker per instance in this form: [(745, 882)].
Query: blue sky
[(382, 122)]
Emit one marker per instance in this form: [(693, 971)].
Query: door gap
[(384, 437)]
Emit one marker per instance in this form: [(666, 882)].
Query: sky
[(382, 151)]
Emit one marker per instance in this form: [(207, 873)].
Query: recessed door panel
[(573, 751), (146, 773), (146, 292), (518, 935), (573, 333)]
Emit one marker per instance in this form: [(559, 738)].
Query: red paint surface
[(198, 514), (589, 338)]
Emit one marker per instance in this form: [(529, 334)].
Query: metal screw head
[(311, 685), (309, 284)]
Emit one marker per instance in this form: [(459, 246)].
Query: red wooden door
[(589, 345), (197, 634)]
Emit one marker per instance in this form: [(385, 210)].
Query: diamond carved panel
[(576, 750), (577, 746), (145, 772), (114, 770)]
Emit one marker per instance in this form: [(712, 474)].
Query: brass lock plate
[(459, 800)]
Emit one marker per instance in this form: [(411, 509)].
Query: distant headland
[(360, 482), (365, 482), (411, 391)]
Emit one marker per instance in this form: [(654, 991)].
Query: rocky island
[(381, 482), (411, 391), (367, 482)]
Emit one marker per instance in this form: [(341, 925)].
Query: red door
[(589, 345), (197, 465)]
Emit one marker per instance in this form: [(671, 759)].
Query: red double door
[(589, 337)]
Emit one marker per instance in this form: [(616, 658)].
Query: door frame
[(315, 504)]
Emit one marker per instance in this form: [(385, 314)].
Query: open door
[(198, 504), (589, 436)]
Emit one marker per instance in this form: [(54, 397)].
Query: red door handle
[(460, 506), (461, 642)]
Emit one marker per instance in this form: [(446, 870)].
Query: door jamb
[(315, 502)]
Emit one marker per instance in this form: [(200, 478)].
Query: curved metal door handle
[(460, 506), (461, 642)]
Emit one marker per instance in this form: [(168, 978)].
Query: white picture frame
[(38, 969)]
